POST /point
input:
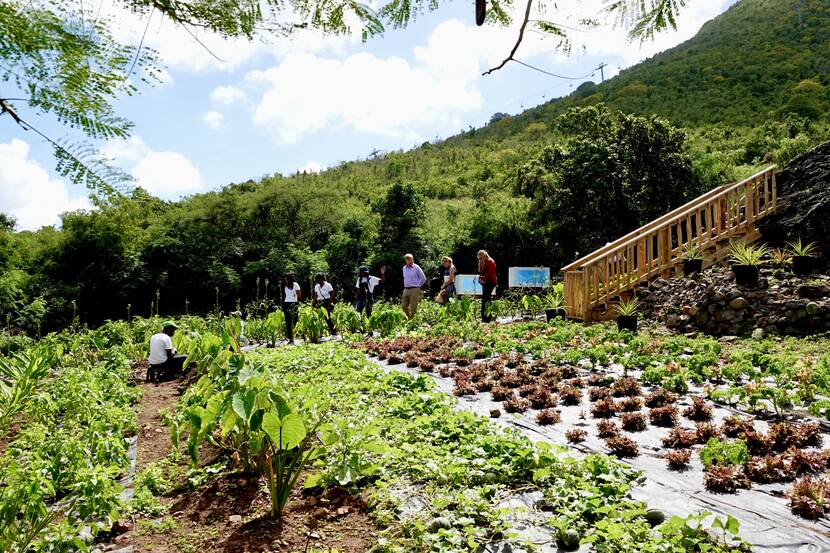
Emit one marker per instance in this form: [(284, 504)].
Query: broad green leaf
[(239, 405), (228, 421), (256, 419), (293, 431), (271, 425)]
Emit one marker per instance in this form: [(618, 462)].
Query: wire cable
[(554, 74)]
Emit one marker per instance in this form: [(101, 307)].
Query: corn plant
[(20, 375)]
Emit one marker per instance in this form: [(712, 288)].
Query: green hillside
[(750, 89), (759, 60)]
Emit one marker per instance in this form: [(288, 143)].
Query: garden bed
[(763, 509)]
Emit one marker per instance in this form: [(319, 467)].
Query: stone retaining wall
[(711, 302)]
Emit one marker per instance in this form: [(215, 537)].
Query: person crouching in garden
[(448, 285), (324, 297), (164, 363), (290, 300), (413, 280), (489, 280)]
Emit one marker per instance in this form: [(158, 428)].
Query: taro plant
[(312, 323), (253, 420), (274, 327), (386, 320), (346, 318)]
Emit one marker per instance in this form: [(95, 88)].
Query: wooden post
[(664, 248)]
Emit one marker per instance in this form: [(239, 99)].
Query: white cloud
[(179, 50), (214, 119), (307, 93), (310, 167), (27, 192), (225, 96), (166, 174)]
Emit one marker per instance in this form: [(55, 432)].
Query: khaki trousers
[(409, 301)]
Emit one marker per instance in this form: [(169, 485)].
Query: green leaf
[(733, 526), (239, 405), (228, 421), (293, 431), (271, 425), (256, 419)]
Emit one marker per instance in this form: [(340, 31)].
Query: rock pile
[(711, 302)]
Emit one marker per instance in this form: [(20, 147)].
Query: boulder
[(813, 291), (738, 303), (803, 208)]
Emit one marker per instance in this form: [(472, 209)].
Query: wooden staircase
[(712, 222)]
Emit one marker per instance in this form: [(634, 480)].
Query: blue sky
[(312, 101)]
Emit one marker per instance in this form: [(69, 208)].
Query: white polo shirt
[(323, 292), (159, 344), (291, 293)]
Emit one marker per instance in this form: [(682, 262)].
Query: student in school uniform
[(292, 295), (324, 297)]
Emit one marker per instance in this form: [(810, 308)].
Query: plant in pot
[(745, 262), (692, 259), (802, 260), (627, 314), (555, 305)]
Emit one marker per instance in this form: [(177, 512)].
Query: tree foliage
[(609, 174)]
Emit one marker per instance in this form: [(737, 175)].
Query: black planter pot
[(692, 266), (627, 322), (802, 264), (746, 275), (551, 314)]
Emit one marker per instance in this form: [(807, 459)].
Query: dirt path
[(157, 398)]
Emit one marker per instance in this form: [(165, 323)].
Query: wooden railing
[(710, 221)]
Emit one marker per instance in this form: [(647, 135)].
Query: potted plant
[(627, 314), (555, 305), (802, 260), (692, 259), (745, 262)]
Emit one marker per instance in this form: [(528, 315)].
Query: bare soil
[(231, 513)]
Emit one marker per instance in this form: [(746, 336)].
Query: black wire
[(140, 44), (554, 74), (186, 28)]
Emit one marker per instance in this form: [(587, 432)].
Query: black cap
[(364, 269)]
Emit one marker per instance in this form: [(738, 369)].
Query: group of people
[(163, 357), (414, 280)]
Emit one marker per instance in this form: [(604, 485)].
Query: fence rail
[(717, 217)]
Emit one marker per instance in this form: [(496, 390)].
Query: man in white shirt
[(164, 363), (324, 297)]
